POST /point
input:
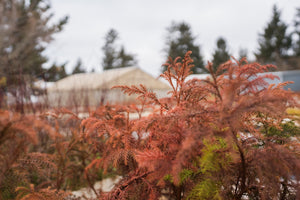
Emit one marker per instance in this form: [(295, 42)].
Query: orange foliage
[(227, 105), (226, 130)]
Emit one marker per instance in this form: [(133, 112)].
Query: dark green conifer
[(55, 73), (296, 46), (274, 43), (78, 67), (221, 54), (181, 40), (114, 56)]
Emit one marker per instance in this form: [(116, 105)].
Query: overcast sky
[(142, 24)]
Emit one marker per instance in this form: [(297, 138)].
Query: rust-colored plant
[(206, 141), (18, 134), (43, 156)]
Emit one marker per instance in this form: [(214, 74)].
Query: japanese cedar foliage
[(219, 138), (226, 137), (42, 157)]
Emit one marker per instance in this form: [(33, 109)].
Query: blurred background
[(142, 28), (43, 41)]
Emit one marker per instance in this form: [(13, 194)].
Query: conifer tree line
[(275, 46), (25, 32)]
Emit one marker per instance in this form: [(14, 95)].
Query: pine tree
[(114, 56), (221, 54), (274, 42), (181, 40), (78, 68), (25, 32)]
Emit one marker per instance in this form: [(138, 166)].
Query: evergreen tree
[(124, 59), (243, 53), (109, 49), (55, 73), (181, 40), (25, 32), (274, 42), (114, 56), (221, 54), (296, 46), (78, 67), (62, 72)]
